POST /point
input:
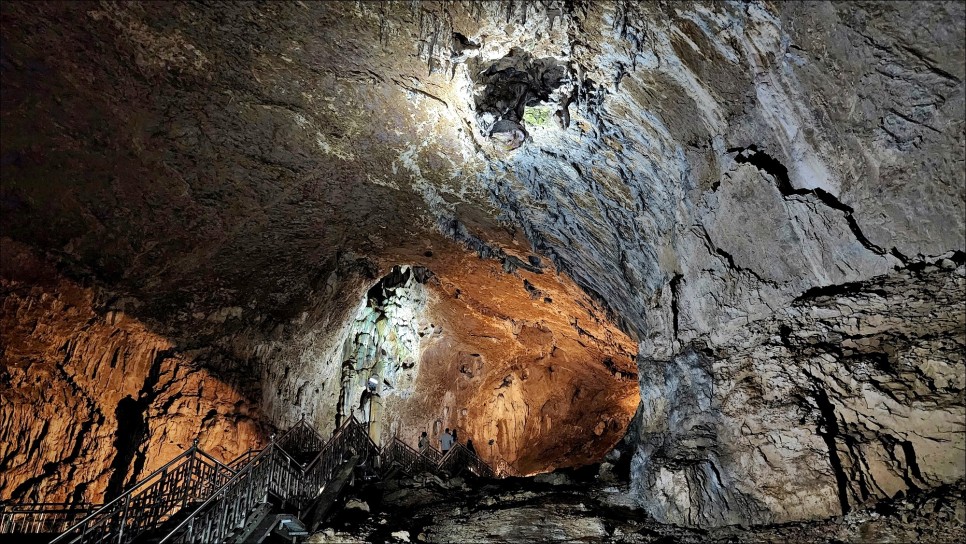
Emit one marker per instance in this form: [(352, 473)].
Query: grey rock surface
[(522, 510), (241, 174), (851, 394)]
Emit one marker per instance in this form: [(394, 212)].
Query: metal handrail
[(229, 493), (432, 454), (238, 462), (218, 494), (151, 501), (434, 461), (317, 473), (407, 457), (303, 435), (41, 517), (290, 430), (470, 460), (336, 433), (133, 488), (505, 468), (452, 458), (231, 504)]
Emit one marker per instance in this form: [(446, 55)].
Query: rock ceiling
[(726, 205)]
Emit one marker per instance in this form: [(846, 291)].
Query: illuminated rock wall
[(497, 356), (91, 398), (694, 174)]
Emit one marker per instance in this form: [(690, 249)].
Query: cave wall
[(91, 398), (851, 394), (243, 175), (732, 159), (520, 356)]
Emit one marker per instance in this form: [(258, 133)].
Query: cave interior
[(703, 263)]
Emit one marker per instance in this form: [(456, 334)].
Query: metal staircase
[(278, 474), (194, 498), (186, 479)]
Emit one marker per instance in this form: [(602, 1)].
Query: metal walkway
[(194, 498)]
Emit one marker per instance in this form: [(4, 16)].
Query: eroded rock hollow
[(728, 236)]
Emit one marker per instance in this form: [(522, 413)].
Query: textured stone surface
[(91, 398), (582, 510), (849, 395), (242, 174), (524, 359)]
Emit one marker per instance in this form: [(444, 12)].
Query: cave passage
[(507, 359)]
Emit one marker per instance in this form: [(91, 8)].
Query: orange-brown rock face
[(519, 356), (554, 383), (90, 401)]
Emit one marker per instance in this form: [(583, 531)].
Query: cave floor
[(574, 506)]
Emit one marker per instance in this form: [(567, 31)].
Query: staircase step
[(257, 526), (319, 510), (289, 527)]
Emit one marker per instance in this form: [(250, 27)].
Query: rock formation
[(766, 198), (93, 398), (850, 394)]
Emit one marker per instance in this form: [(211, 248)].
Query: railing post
[(191, 467), (120, 531), (221, 523), (288, 481)]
